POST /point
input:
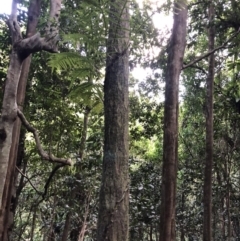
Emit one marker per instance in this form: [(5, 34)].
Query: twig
[(39, 193), (212, 51), (42, 153)]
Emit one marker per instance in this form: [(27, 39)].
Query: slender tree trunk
[(228, 197), (84, 133), (182, 227), (33, 224), (66, 226), (207, 189), (113, 220), (81, 155), (170, 144), (151, 233), (51, 235), (222, 202)]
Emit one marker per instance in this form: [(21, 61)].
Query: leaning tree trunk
[(170, 143), (21, 49), (113, 218), (207, 189)]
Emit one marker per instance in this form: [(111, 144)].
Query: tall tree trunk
[(207, 188), (170, 143), (21, 49), (113, 220), (10, 188)]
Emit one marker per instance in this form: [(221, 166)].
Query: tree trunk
[(66, 226), (170, 143), (182, 226), (21, 49), (10, 189), (113, 220), (84, 133), (207, 189), (33, 224), (9, 115), (81, 155)]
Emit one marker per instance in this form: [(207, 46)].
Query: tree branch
[(39, 193), (42, 153), (37, 43), (50, 178), (212, 51)]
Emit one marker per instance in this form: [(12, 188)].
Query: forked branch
[(42, 153), (36, 43)]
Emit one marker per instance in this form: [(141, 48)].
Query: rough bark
[(170, 143), (113, 217), (21, 49), (207, 188)]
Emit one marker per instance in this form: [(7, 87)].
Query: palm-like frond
[(91, 94), (68, 60)]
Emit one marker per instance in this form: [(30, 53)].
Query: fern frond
[(67, 60)]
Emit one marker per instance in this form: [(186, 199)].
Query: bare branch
[(42, 153), (39, 193), (50, 178), (212, 51)]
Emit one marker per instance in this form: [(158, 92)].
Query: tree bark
[(170, 143), (113, 220), (10, 189), (21, 49), (207, 188)]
